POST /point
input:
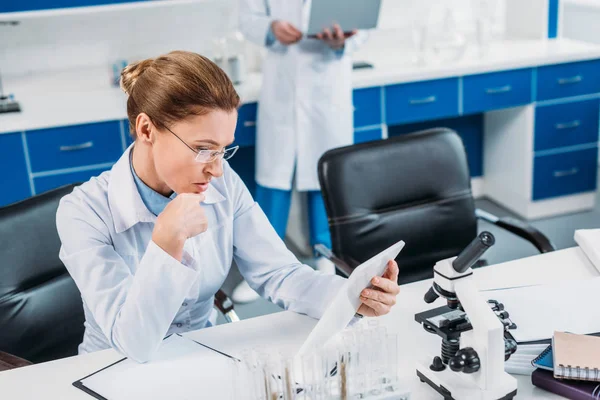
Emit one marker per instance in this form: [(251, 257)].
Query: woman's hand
[(335, 39), (181, 219), (285, 32), (380, 300)]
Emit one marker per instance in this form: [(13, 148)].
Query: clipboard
[(183, 358)]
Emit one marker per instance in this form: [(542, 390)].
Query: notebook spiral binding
[(578, 373), (542, 355)]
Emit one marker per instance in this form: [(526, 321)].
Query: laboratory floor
[(508, 246)]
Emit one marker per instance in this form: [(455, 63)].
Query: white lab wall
[(65, 40), (442, 18), (580, 20), (100, 37)]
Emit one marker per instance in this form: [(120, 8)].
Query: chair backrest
[(41, 311), (414, 187)]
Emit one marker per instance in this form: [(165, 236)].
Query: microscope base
[(451, 387)]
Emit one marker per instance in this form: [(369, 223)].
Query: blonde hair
[(175, 86)]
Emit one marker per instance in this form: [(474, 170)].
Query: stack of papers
[(538, 311), (589, 241)]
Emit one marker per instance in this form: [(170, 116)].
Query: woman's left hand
[(380, 300)]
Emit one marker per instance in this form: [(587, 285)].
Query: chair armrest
[(225, 305), (519, 228), (8, 361), (342, 266)]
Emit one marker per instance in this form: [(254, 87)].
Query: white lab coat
[(134, 293), (305, 106)]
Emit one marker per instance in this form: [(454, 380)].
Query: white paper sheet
[(589, 241), (182, 369), (538, 311), (343, 307)]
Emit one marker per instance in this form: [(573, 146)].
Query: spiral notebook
[(545, 360), (576, 356)]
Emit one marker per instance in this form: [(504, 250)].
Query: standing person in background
[(305, 108)]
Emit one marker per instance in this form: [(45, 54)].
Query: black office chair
[(41, 311), (415, 188)]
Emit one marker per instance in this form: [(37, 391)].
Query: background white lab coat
[(305, 106)]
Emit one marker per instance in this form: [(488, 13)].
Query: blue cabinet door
[(32, 5), (565, 173), (245, 131), (13, 169), (565, 80), (469, 128), (44, 183), (566, 124), (496, 90), (367, 106), (74, 146), (421, 101)]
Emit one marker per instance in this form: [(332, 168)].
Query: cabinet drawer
[(74, 146), (421, 101), (367, 135), (564, 80), (13, 169), (245, 132), (496, 90), (565, 173), (367, 106), (566, 124), (44, 183)]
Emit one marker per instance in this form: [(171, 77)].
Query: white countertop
[(86, 96), (283, 330)]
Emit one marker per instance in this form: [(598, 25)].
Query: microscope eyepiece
[(487, 239), (473, 252)]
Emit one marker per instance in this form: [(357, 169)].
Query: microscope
[(475, 342)]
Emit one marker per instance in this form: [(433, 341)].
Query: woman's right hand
[(285, 32), (181, 219)]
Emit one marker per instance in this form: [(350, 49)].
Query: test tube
[(271, 378), (289, 379), (392, 362)]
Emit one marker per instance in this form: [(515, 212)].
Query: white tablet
[(341, 310), (348, 14)]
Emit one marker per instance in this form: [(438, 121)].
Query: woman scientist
[(150, 242)]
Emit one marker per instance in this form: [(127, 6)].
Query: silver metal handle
[(248, 124), (568, 172), (503, 89), (573, 79), (76, 147), (426, 100), (568, 125)]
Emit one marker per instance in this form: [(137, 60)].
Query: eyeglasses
[(208, 156)]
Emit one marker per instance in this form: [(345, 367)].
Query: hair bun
[(132, 72)]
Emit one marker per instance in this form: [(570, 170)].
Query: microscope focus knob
[(466, 360)]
